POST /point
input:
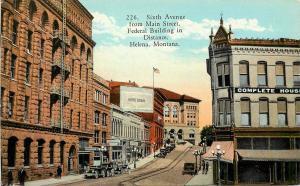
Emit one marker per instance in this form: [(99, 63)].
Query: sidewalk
[(80, 177), (202, 179)]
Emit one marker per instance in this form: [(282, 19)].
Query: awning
[(269, 155), (227, 146)]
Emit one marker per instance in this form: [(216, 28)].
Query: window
[(2, 95), (80, 68), (166, 111), (97, 95), (104, 119), (245, 112), (11, 104), (73, 66), (175, 112), (27, 143), (262, 73), (61, 151), (263, 112), (71, 118), (86, 121), (13, 66), (104, 98), (224, 112), (260, 143), (223, 75), (280, 74), (87, 74), (29, 41), (3, 70), (96, 136), (40, 151), (72, 90), (79, 120), (282, 112), (51, 152), (11, 151), (27, 77), (244, 74), (15, 32), (39, 110), (79, 94), (26, 109), (103, 137), (297, 109), (16, 4), (42, 48), (86, 96), (279, 143), (41, 77), (32, 10), (97, 117), (296, 70), (244, 143), (45, 20)]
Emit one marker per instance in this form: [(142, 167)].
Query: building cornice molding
[(265, 50)]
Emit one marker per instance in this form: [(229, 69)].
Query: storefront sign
[(268, 90)]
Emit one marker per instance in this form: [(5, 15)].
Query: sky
[(182, 68)]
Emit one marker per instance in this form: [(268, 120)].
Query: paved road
[(160, 172)]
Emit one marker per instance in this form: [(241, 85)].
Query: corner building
[(256, 108), (32, 75)]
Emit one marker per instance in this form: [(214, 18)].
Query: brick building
[(181, 117), (102, 116), (33, 133)]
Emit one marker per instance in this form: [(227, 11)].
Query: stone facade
[(31, 74), (256, 105)]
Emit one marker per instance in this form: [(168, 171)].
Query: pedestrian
[(10, 178), (59, 171), (206, 167), (203, 167), (21, 176)]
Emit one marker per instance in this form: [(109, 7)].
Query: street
[(162, 171)]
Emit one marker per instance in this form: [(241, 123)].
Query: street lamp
[(204, 144), (218, 153), (197, 153), (134, 150), (102, 150)]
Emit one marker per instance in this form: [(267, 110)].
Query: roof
[(228, 148), (173, 96), (269, 155), (223, 36), (120, 83)]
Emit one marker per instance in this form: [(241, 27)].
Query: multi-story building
[(44, 126), (155, 118), (102, 116), (181, 117), (256, 106), (129, 132)]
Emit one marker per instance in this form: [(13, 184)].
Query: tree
[(207, 132)]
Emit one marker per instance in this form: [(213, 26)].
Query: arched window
[(88, 55), (55, 26), (73, 43), (82, 49), (245, 112), (45, 19), (175, 112), (51, 151), (11, 151), (166, 111), (32, 10), (27, 143), (40, 150)]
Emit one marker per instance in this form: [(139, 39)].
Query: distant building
[(35, 132), (256, 107), (102, 117), (181, 117)]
